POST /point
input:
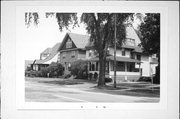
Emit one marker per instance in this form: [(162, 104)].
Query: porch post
[(140, 69), (126, 71), (88, 70)]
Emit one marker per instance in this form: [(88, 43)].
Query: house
[(47, 57), (72, 49), (28, 64), (45, 53), (131, 63)]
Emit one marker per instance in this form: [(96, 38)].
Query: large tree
[(149, 33), (100, 27)]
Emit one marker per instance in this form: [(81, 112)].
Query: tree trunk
[(102, 61)]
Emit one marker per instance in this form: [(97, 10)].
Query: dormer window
[(69, 44)]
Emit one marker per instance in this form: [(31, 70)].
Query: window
[(90, 53), (73, 54), (93, 67), (123, 52), (138, 57), (120, 66), (64, 55), (97, 66), (69, 44), (132, 56)]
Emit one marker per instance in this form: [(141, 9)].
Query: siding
[(119, 52)]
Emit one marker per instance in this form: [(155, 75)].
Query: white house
[(131, 63)]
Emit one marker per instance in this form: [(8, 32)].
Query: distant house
[(45, 53), (28, 64), (72, 49), (47, 57)]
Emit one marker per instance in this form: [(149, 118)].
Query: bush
[(54, 70), (95, 75), (156, 78), (79, 69), (67, 76), (146, 79), (90, 76), (32, 73), (108, 80)]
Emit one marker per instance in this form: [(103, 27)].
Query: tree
[(149, 33), (100, 26)]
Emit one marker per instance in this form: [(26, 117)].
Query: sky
[(45, 35)]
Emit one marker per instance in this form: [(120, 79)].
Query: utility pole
[(115, 53)]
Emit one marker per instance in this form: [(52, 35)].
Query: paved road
[(45, 92)]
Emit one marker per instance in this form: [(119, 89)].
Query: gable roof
[(54, 51), (79, 40), (47, 51), (131, 34)]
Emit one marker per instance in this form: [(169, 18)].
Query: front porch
[(125, 68)]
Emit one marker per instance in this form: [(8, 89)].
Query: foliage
[(54, 69), (95, 75), (149, 33), (108, 80), (79, 69)]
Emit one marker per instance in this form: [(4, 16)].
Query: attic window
[(69, 44)]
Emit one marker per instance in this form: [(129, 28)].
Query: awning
[(121, 59)]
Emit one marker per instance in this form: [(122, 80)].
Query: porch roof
[(111, 58)]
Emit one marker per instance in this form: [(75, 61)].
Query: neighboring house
[(28, 64), (47, 57), (72, 49), (131, 61), (45, 53)]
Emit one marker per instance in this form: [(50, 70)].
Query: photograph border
[(85, 7)]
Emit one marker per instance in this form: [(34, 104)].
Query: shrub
[(95, 75), (67, 76), (108, 80), (79, 69), (90, 76), (156, 78), (54, 70)]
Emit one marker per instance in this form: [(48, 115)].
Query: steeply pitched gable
[(78, 41)]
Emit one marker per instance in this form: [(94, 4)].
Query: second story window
[(132, 56), (123, 52), (69, 44), (90, 53), (64, 55), (138, 57), (73, 54)]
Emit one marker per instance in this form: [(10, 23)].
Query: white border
[(100, 7)]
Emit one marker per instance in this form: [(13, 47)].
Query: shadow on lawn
[(62, 82), (140, 92)]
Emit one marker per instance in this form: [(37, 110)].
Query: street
[(75, 90)]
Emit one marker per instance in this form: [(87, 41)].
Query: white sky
[(46, 34), (37, 38)]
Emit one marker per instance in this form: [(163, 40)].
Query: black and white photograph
[(96, 57), (89, 60)]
